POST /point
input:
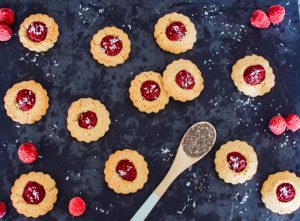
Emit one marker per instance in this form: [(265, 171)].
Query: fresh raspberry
[(2, 209), (5, 32), (77, 206), (28, 153), (277, 125), (260, 19), (7, 16), (276, 14), (293, 122)]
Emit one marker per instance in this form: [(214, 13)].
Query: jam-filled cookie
[(88, 120), (110, 46), (147, 93), (126, 171), (34, 194), (26, 102), (182, 80), (175, 33), (253, 76), (281, 192), (236, 162), (38, 32)]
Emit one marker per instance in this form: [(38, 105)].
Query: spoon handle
[(149, 204)]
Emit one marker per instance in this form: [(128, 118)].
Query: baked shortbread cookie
[(110, 46), (38, 32), (26, 102), (253, 76), (175, 33)]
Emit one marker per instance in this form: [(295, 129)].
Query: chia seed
[(199, 139)]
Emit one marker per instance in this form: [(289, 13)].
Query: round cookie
[(253, 75), (88, 120), (147, 93), (126, 171), (236, 162), (110, 46), (281, 192), (38, 32), (34, 194), (182, 80), (175, 33), (26, 102)]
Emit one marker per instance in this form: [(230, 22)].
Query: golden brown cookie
[(126, 171), (175, 33), (38, 32), (110, 46), (34, 194), (147, 93), (182, 80), (253, 75), (236, 162), (281, 192), (88, 120), (26, 102)]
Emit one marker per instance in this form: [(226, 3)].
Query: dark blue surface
[(68, 72)]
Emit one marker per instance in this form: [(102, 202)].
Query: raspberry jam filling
[(126, 170), (150, 90), (175, 31), (285, 192), (185, 80), (254, 75), (37, 31), (236, 162), (87, 119), (33, 193), (111, 45), (25, 99)]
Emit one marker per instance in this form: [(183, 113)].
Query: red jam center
[(33, 193), (126, 170), (285, 192), (150, 90), (175, 31), (185, 80), (111, 45), (25, 99), (37, 31), (236, 162), (87, 119), (254, 75)]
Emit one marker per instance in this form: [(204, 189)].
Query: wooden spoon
[(195, 144)]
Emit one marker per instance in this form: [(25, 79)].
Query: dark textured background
[(68, 72)]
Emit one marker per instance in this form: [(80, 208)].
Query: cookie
[(236, 162), (182, 80), (88, 120), (175, 33), (147, 93), (38, 32), (110, 46), (280, 192), (34, 194), (26, 102), (126, 171), (253, 76)]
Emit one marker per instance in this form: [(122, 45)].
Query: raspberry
[(7, 16), (28, 153), (276, 14), (2, 209), (5, 32), (259, 19), (277, 125), (77, 206), (293, 122)]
